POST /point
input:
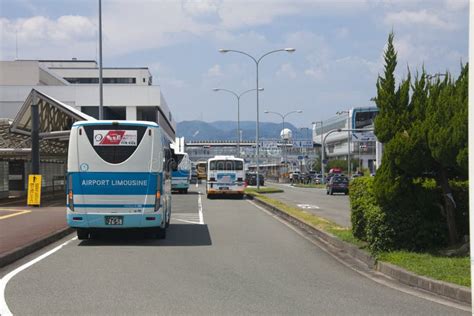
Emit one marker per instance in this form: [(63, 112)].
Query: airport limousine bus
[(181, 177), (118, 177), (225, 175)]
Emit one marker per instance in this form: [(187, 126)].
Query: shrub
[(361, 198)]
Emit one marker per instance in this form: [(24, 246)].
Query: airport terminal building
[(66, 91), (361, 146)]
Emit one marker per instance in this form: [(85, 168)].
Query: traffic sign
[(34, 189)]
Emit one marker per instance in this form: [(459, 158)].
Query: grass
[(263, 190), (343, 233), (312, 185), (454, 270), (449, 269)]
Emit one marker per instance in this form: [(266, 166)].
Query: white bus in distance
[(225, 175), (181, 177), (118, 177)]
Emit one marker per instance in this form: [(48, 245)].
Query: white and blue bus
[(225, 175), (181, 177), (118, 177)]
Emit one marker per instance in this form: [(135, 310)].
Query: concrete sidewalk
[(25, 229)]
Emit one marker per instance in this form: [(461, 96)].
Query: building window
[(147, 113), (94, 80)]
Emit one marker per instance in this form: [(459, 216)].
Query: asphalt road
[(335, 207), (241, 260)]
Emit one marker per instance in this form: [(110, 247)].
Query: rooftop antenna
[(16, 44), (96, 40), (101, 91)]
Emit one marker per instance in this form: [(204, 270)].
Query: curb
[(455, 292), (452, 291), (27, 249)]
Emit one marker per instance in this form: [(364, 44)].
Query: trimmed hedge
[(361, 199), (412, 221)]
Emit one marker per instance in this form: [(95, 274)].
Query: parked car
[(251, 178), (338, 184), (316, 178)]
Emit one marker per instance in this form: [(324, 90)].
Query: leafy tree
[(424, 130)]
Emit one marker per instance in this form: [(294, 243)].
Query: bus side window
[(167, 161), (174, 161)]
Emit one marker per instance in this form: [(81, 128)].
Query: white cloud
[(286, 70), (456, 5), (418, 18), (200, 7), (342, 32), (42, 37), (214, 71), (316, 73)]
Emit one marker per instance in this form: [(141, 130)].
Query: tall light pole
[(257, 63), (238, 111), (101, 88), (283, 116), (348, 140), (322, 134)]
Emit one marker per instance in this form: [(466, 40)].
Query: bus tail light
[(70, 194), (70, 200), (157, 200)]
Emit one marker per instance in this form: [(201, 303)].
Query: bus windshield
[(226, 165), (114, 143)]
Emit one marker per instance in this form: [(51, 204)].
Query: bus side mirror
[(174, 165)]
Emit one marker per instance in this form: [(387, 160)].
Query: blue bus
[(181, 177), (118, 177)]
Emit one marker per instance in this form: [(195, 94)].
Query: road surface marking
[(201, 216), (18, 212), (308, 206), (197, 185), (4, 310), (383, 280), (191, 218)]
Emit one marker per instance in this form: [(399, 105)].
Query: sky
[(339, 47)]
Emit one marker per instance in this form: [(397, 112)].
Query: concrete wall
[(19, 73)]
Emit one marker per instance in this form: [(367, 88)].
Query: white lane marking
[(186, 221), (201, 216), (4, 310), (190, 218), (384, 281), (308, 206)]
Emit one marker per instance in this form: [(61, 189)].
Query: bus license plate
[(223, 188), (114, 220)]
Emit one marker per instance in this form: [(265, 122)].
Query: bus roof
[(116, 122)]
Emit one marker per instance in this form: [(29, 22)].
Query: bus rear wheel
[(82, 234)]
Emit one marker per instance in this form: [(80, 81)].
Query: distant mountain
[(227, 130)]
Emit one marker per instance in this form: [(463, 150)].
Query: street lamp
[(257, 62), (348, 140), (238, 111), (322, 134), (283, 116)]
